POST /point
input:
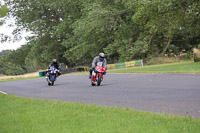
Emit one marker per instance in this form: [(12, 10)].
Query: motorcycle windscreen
[(52, 68), (100, 64)]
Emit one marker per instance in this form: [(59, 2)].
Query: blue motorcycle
[(52, 75)]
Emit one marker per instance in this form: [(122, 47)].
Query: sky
[(5, 29)]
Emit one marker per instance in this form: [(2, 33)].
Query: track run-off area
[(176, 94)]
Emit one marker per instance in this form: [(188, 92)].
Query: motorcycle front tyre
[(99, 80), (53, 80)]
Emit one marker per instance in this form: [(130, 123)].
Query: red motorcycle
[(97, 74)]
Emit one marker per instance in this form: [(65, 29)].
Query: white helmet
[(54, 60), (101, 56)]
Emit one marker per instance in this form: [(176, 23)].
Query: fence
[(125, 64), (130, 64), (109, 66), (64, 71), (119, 65)]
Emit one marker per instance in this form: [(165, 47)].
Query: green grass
[(184, 67), (15, 79), (25, 115), (21, 78)]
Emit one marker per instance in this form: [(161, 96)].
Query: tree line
[(75, 31)]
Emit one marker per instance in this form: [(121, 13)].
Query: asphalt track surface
[(176, 94)]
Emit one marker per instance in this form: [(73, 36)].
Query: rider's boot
[(90, 73), (89, 76), (47, 76)]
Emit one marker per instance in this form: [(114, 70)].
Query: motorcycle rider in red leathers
[(100, 58)]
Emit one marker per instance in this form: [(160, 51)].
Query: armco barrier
[(130, 64), (43, 73), (120, 65), (138, 62), (69, 70), (40, 74), (111, 66), (64, 71), (125, 64)]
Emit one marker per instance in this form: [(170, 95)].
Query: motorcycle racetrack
[(176, 94)]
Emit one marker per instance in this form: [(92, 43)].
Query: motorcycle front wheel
[(51, 80), (99, 80)]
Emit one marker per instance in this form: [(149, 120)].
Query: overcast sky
[(5, 29)]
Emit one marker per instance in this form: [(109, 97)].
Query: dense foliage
[(3, 12), (74, 31)]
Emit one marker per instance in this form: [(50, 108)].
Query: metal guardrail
[(69, 70), (109, 66), (119, 65), (125, 64), (64, 71)]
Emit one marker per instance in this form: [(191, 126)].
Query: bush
[(161, 60), (196, 55), (196, 58), (13, 70), (187, 56)]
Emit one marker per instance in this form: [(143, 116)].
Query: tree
[(166, 20), (76, 31), (3, 12)]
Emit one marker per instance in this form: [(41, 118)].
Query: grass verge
[(183, 67), (33, 115), (15, 79), (25, 78)]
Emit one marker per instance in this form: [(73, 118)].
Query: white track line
[(3, 92)]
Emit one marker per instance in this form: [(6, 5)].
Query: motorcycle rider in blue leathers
[(100, 58), (56, 65)]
